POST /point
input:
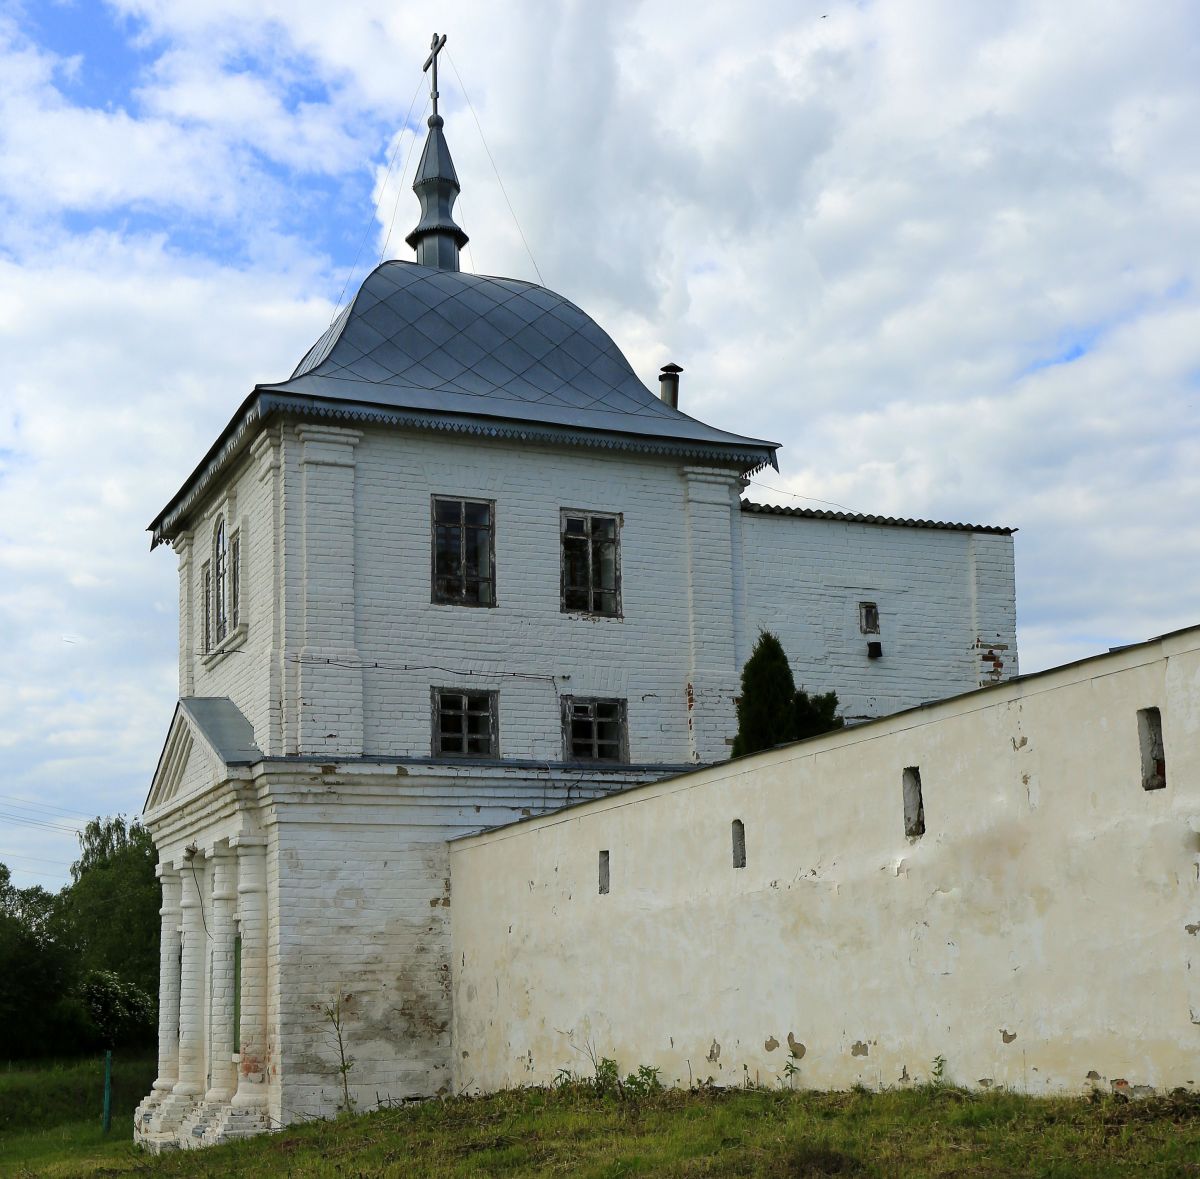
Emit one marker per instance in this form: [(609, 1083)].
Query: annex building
[(463, 568)]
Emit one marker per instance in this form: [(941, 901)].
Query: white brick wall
[(939, 594)]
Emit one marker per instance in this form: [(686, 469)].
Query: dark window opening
[(1154, 757), (594, 730), (464, 554), (868, 618), (739, 844), (208, 642), (220, 564), (464, 723), (591, 564), (235, 580), (603, 873), (914, 804)]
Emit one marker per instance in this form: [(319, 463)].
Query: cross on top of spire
[(435, 47)]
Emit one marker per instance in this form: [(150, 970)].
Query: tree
[(109, 915), (766, 707), (816, 714), (123, 1013)]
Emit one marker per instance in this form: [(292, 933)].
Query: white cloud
[(874, 232)]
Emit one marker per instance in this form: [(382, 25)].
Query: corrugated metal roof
[(859, 518), (442, 341)]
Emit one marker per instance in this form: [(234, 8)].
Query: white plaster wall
[(940, 594), (1040, 935), (358, 881)]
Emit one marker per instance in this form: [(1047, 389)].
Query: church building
[(460, 568)]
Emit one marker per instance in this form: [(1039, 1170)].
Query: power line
[(375, 211), (797, 495), (43, 824), (487, 149), (25, 804)]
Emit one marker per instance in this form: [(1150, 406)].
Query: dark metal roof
[(224, 727), (425, 348), (859, 518), (448, 342)]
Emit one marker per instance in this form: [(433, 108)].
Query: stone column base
[(185, 1123)]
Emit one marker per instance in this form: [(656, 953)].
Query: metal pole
[(108, 1090)]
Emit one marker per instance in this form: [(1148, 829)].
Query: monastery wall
[(1039, 934), (946, 599)]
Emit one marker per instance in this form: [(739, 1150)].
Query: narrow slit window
[(914, 804), (237, 993), (739, 844), (220, 584), (1154, 758), (604, 873), (208, 639), (235, 579)]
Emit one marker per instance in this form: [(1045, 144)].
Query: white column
[(330, 681), (168, 981), (712, 501), (222, 1080), (252, 919), (192, 1077)]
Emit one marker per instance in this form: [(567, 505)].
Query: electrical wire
[(797, 495), (375, 211), (487, 149), (400, 185)]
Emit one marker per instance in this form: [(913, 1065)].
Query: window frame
[(437, 598), (436, 692), (220, 582), (622, 718), (592, 589)]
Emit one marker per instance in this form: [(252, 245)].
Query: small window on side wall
[(1154, 757), (603, 873), (465, 723), (868, 618), (914, 803)]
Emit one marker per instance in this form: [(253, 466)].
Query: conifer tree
[(816, 714), (766, 708)]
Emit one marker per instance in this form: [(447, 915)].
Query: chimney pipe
[(668, 384)]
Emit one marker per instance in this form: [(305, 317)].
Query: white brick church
[(460, 568)]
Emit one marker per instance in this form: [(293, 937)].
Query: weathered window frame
[(868, 618), (591, 705), (1152, 749), (464, 735), (235, 579), (206, 596), (588, 596), (485, 586)]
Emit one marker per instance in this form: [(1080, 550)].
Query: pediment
[(207, 737)]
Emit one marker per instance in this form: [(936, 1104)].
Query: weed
[(937, 1071)]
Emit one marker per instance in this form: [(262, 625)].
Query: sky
[(947, 254)]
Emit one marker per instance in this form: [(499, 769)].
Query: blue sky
[(945, 253)]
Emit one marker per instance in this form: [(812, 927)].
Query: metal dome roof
[(447, 342)]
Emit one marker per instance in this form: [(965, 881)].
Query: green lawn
[(936, 1131)]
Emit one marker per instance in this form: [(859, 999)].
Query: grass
[(931, 1131)]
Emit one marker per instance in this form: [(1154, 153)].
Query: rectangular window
[(591, 563), (464, 555), (1154, 757), (868, 618), (235, 579), (604, 873), (914, 804), (465, 723), (207, 581), (594, 730)]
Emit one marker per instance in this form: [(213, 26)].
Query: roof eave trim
[(264, 403), (879, 521)]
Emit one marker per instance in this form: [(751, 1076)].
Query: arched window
[(220, 583)]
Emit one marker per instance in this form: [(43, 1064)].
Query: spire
[(436, 239)]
